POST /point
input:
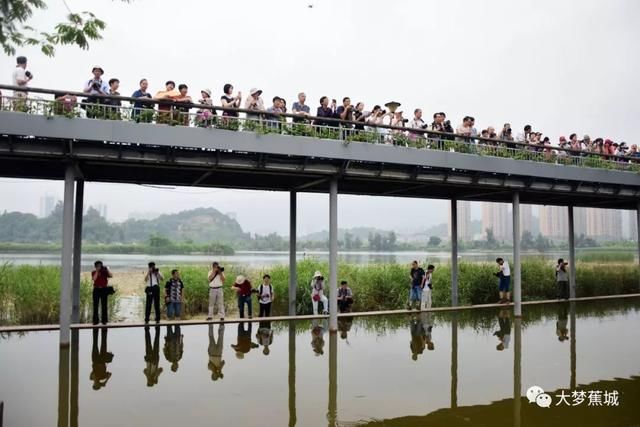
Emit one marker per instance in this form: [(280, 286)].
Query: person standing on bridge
[(216, 297), (300, 109), (504, 277), (254, 102), (138, 106), (101, 291), (21, 78)]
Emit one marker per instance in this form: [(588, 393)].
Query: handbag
[(316, 297), (110, 290)]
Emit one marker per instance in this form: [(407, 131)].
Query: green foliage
[(434, 241), (78, 30)]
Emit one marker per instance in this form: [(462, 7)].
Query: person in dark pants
[(100, 277), (562, 279), (99, 359), (242, 287), (265, 296), (152, 280), (152, 356), (345, 297)]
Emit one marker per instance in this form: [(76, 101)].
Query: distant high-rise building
[(495, 216), (47, 205), (632, 225), (465, 233), (604, 224), (526, 219), (554, 222), (580, 221)]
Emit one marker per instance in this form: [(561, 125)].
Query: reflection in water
[(504, 334), (265, 337), (344, 326), (421, 326), (99, 359), (332, 413), (317, 336), (292, 374), (562, 329), (215, 352), (244, 344), (63, 387), (152, 356), (517, 372), (173, 346)]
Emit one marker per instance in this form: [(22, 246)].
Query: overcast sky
[(561, 66)]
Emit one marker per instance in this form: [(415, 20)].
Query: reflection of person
[(152, 280), (265, 337), (427, 287), (562, 331), (345, 297), (244, 344), (317, 293), (100, 277), (504, 277), (417, 343), (504, 334), (427, 327), (152, 356), (215, 353), (317, 337), (173, 346), (344, 326), (99, 359), (562, 279)]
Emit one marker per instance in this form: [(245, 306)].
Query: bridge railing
[(175, 113)]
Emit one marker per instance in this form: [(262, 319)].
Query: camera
[(405, 120), (95, 85), (383, 112), (221, 268), (28, 74), (320, 278), (508, 130)]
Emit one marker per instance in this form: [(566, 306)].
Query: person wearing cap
[(205, 117), (300, 109), (94, 87), (242, 286), (138, 106), (21, 77), (317, 293), (254, 102)]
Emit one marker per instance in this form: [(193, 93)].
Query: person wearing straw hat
[(243, 288), (254, 102), (317, 293), (205, 117)]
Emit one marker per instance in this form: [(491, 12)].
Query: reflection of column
[(517, 371), (292, 374), (63, 387), (572, 323), (454, 252), (292, 253), (333, 255), (75, 378), (67, 257), (77, 252), (454, 361), (332, 415)]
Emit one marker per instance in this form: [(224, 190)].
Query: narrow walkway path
[(36, 328)]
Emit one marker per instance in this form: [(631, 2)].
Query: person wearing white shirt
[(504, 276), (317, 293), (216, 297), (21, 77), (152, 280), (265, 296)]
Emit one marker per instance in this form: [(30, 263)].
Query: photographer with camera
[(21, 77), (101, 290), (504, 279), (562, 279), (317, 294), (152, 279), (441, 125), (95, 87), (216, 298)]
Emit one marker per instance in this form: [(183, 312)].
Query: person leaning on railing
[(142, 106), (300, 109), (95, 87), (206, 117), (255, 103), (170, 93), (273, 120), (182, 111), (325, 111)]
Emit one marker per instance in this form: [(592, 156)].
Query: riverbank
[(30, 294)]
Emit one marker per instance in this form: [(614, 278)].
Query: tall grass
[(31, 295)]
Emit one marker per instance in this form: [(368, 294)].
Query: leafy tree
[(357, 243), (15, 31), (542, 243), (434, 241), (527, 241)]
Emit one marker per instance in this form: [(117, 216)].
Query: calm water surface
[(446, 369)]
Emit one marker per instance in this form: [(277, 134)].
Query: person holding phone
[(100, 277)]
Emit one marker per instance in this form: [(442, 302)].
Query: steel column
[(454, 253), (77, 251), (572, 254), (515, 274), (293, 282), (333, 255), (67, 257)]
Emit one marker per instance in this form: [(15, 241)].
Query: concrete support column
[(67, 258), (333, 255), (77, 251), (454, 253), (517, 372), (572, 255), (293, 282), (515, 274)]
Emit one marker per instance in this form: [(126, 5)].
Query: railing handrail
[(441, 135)]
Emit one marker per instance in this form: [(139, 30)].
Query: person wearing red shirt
[(100, 278), (243, 288)]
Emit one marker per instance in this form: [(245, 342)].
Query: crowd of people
[(329, 113)]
